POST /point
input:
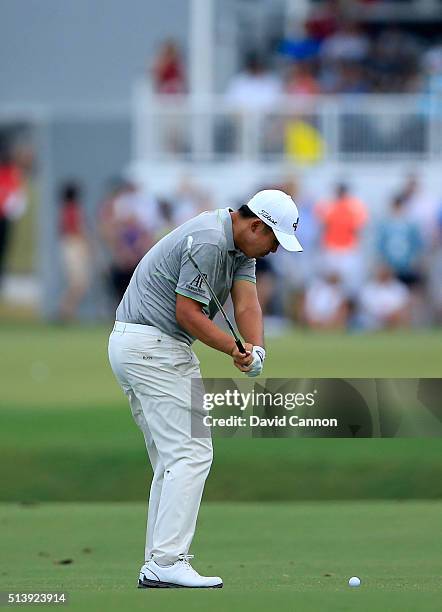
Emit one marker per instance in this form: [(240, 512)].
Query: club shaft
[(238, 342)]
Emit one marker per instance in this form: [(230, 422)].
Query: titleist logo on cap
[(268, 216)]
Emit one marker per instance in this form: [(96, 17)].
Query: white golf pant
[(155, 372)]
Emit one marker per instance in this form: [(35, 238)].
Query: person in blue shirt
[(399, 244)]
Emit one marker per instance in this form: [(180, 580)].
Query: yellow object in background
[(303, 142)]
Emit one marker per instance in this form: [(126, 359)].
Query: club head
[(189, 244)]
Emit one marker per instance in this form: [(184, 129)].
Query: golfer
[(166, 307)]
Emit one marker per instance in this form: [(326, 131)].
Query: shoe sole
[(156, 584)]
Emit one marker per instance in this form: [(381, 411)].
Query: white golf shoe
[(179, 575)]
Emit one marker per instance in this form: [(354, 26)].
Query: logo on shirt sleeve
[(197, 283)]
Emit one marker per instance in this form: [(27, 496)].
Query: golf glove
[(259, 355)]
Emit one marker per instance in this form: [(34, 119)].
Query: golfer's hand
[(258, 354), (242, 360)]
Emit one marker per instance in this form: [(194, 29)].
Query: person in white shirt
[(255, 88), (325, 304), (384, 301)]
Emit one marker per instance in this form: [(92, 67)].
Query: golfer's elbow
[(187, 312), (249, 311), (181, 316)]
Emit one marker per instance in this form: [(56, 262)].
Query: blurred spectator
[(347, 44), (168, 71), (189, 200), (432, 62), (168, 78), (435, 273), (265, 285), (342, 219), (325, 306), (75, 251), (325, 287), (351, 78), (12, 202), (349, 60), (308, 231), (393, 61), (342, 58), (284, 277), (422, 207), (128, 222), (301, 79), (166, 208), (333, 53), (298, 45), (399, 243), (323, 19), (255, 88), (299, 271), (384, 302)]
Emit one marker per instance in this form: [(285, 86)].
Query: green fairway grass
[(43, 365), (293, 556), (285, 522), (66, 429), (99, 454)]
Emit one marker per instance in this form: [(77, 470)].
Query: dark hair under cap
[(246, 213)]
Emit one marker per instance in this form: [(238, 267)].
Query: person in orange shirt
[(342, 220)]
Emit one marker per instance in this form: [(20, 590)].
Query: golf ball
[(354, 581)]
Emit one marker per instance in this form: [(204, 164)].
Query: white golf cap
[(277, 210)]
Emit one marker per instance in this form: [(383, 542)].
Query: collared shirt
[(166, 270)]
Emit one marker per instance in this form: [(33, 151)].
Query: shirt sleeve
[(245, 270), (190, 283)]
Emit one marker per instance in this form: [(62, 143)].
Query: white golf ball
[(354, 581)]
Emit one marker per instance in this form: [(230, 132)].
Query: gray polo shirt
[(150, 298)]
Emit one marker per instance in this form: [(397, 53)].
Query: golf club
[(238, 342)]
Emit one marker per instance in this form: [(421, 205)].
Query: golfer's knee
[(190, 466)]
